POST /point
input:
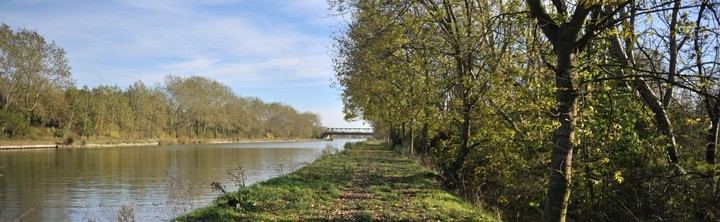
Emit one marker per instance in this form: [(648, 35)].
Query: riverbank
[(364, 182), (47, 144)]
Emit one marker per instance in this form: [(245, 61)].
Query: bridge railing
[(349, 131)]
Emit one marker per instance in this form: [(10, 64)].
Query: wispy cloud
[(173, 6), (103, 39), (245, 44)]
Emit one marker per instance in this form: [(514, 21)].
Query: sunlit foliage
[(520, 102)]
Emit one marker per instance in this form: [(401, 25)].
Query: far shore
[(123, 143)]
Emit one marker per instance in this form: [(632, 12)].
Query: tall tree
[(33, 72), (703, 41), (569, 28)]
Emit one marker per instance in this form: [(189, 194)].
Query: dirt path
[(384, 186), (353, 197)]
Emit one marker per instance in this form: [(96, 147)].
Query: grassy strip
[(366, 182)]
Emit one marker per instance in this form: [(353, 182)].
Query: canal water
[(155, 183)]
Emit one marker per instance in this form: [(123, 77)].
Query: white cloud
[(283, 45), (268, 73), (173, 6), (199, 44), (155, 5), (197, 64)]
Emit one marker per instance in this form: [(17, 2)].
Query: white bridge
[(353, 133)]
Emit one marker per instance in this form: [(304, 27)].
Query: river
[(156, 183)]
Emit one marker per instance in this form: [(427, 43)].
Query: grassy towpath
[(365, 182)]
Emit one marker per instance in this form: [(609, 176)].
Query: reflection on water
[(157, 182)]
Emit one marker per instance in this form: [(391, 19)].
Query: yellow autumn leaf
[(618, 177)]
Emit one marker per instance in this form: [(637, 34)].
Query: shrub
[(13, 124), (69, 140)]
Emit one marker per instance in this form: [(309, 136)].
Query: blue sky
[(277, 50)]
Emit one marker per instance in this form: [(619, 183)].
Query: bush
[(13, 124), (69, 140)]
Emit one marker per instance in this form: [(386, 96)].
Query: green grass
[(366, 182)]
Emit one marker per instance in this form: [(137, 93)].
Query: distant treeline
[(39, 100)]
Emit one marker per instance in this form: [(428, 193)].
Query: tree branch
[(546, 23)]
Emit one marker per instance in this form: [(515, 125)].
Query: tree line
[(519, 102), (39, 100)]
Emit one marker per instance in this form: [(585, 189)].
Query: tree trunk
[(412, 141), (673, 47), (72, 114), (99, 127), (464, 149), (661, 118), (565, 39), (137, 129), (85, 122), (403, 135), (148, 131), (652, 101), (713, 109), (712, 105), (563, 138), (425, 141), (712, 136)]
